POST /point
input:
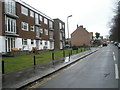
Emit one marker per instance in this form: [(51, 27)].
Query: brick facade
[(80, 37)]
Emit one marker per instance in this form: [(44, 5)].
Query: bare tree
[(115, 28)]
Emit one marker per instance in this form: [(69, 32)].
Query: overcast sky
[(94, 15)]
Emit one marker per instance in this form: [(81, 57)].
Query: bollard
[(53, 58), (71, 52), (3, 70), (69, 56), (63, 53), (81, 49), (34, 60)]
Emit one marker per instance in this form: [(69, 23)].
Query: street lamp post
[(68, 25)]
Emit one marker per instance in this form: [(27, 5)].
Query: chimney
[(84, 28), (81, 26), (77, 26)]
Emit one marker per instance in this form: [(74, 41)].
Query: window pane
[(24, 26), (36, 19), (24, 10), (45, 21), (31, 13)]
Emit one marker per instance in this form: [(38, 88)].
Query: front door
[(10, 43)]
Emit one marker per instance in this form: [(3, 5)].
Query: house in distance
[(80, 37)]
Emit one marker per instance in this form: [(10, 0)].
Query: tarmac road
[(99, 70)]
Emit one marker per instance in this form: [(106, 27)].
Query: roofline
[(32, 8)]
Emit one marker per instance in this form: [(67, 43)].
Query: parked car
[(118, 45), (104, 44)]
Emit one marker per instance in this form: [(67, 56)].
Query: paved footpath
[(23, 77)]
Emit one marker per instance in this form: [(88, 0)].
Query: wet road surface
[(98, 70)]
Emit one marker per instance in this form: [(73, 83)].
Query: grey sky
[(94, 15)]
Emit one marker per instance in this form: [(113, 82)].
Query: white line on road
[(116, 72), (114, 57)]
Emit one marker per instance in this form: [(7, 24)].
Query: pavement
[(26, 76)]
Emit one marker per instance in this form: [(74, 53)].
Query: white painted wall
[(29, 46), (2, 44)]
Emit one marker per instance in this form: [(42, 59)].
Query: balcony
[(10, 10), (39, 25), (11, 30)]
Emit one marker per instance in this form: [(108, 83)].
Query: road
[(98, 70)]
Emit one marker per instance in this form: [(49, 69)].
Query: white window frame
[(46, 21), (24, 42), (41, 43), (41, 18), (41, 30), (60, 35), (11, 41), (32, 28), (37, 32), (46, 43), (32, 41), (36, 18), (50, 24), (46, 31), (24, 10), (60, 25), (10, 7), (24, 26), (10, 25), (31, 14), (51, 34), (63, 26)]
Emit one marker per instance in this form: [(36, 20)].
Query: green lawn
[(19, 62)]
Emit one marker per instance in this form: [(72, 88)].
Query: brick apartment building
[(24, 27), (59, 32), (80, 37)]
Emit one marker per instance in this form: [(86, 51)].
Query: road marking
[(114, 58), (116, 72)]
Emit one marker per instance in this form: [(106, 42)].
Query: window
[(24, 10), (24, 26), (32, 14), (60, 36), (63, 26), (51, 35), (40, 42), (10, 43), (41, 18), (46, 43), (32, 28), (60, 25), (46, 32), (11, 25), (24, 41), (32, 41), (45, 21), (50, 25), (10, 7), (41, 30), (36, 19), (37, 32)]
